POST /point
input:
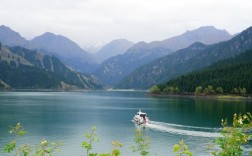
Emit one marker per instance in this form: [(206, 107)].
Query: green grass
[(231, 97)]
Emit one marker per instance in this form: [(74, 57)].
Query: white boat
[(141, 118)]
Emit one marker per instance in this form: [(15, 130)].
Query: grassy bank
[(214, 97)]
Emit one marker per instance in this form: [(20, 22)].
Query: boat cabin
[(141, 114)]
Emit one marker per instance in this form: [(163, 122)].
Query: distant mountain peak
[(113, 48), (207, 29), (10, 37), (120, 40), (194, 57), (48, 34), (5, 27), (204, 34), (66, 49), (49, 43)]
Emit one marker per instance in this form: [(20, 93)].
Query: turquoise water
[(67, 116)]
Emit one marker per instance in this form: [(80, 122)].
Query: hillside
[(11, 38), (230, 73), (113, 48), (66, 50), (195, 57), (114, 69), (50, 44), (25, 69)]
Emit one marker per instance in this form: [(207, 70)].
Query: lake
[(67, 116)]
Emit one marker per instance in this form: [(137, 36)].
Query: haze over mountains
[(113, 48), (113, 70), (195, 57), (94, 47), (126, 65), (11, 38), (67, 50), (205, 34)]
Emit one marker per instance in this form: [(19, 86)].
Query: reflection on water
[(214, 109), (67, 116)]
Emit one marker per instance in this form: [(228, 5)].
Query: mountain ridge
[(64, 48), (113, 70), (186, 60), (204, 34), (228, 74), (11, 37), (23, 68), (51, 44), (113, 48)]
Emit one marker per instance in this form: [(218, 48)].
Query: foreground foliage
[(232, 142), (92, 137), (142, 144), (45, 148), (234, 136), (181, 149)]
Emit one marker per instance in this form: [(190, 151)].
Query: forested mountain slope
[(230, 73), (195, 57)]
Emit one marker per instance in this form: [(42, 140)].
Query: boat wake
[(184, 130)]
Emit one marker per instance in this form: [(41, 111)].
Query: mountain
[(114, 69), (29, 69), (10, 37), (94, 47), (113, 48), (65, 49), (205, 34), (196, 56), (230, 73)]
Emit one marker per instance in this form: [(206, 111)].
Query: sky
[(99, 21)]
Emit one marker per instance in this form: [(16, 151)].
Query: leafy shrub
[(142, 144), (44, 149), (181, 149), (154, 90)]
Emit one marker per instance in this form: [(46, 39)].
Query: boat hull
[(140, 121)]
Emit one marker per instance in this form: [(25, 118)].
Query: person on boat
[(144, 118)]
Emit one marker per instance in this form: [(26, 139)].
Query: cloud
[(88, 21)]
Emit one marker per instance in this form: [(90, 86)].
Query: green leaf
[(188, 153), (176, 148), (22, 133), (9, 147)]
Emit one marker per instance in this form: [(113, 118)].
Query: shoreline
[(208, 97), (47, 90)]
